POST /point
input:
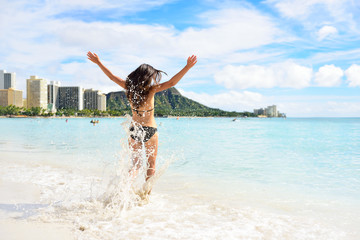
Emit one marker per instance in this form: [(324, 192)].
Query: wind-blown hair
[(139, 82)]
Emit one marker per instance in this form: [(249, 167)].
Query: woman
[(141, 86)]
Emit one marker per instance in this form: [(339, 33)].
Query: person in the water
[(141, 86)]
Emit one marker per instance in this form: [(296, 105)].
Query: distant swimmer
[(141, 86), (66, 120), (94, 122)]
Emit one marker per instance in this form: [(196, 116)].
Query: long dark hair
[(138, 84)]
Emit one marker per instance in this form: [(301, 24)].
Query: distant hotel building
[(24, 103), (36, 91), (259, 111), (7, 80), (11, 97), (8, 94), (270, 111), (71, 98), (102, 102), (53, 95), (93, 99)]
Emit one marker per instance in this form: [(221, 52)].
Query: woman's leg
[(151, 147), (135, 148)]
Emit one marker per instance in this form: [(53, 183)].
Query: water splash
[(110, 199)]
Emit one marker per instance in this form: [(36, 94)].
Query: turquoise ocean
[(253, 178)]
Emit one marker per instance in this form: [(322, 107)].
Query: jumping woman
[(141, 86)]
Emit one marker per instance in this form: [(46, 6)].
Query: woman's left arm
[(191, 61), (95, 59)]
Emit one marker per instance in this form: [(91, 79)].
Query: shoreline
[(104, 117), (17, 116), (64, 117)]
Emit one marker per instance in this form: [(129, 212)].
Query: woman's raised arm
[(191, 61), (95, 59)]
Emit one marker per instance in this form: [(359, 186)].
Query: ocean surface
[(294, 178)]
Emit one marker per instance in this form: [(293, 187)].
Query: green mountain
[(169, 103)]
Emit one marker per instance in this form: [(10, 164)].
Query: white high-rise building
[(271, 111), (36, 92), (7, 80), (102, 102), (2, 73)]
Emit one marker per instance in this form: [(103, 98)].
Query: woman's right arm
[(95, 59), (191, 61)]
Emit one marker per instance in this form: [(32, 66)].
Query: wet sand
[(17, 202)]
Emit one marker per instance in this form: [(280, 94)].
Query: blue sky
[(302, 55)]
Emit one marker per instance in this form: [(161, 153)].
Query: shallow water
[(248, 179)]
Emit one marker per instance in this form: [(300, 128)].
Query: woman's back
[(144, 115)]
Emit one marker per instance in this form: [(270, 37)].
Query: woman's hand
[(191, 61), (93, 57)]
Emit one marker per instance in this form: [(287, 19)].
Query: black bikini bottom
[(142, 133)]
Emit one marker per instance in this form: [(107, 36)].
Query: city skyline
[(251, 53), (48, 96)]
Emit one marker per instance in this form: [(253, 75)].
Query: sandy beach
[(17, 202)]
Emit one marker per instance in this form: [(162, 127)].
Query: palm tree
[(12, 110)]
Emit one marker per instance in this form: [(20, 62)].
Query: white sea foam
[(73, 197), (111, 209), (109, 203)]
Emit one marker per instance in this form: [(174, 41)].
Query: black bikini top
[(142, 111)]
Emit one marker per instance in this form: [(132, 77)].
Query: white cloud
[(344, 108), (301, 9), (231, 30), (314, 14), (342, 56), (329, 76), (244, 57), (326, 31), (231, 101), (287, 74), (39, 42), (225, 31), (325, 108), (293, 8), (117, 8), (316, 106), (353, 75), (293, 106)]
